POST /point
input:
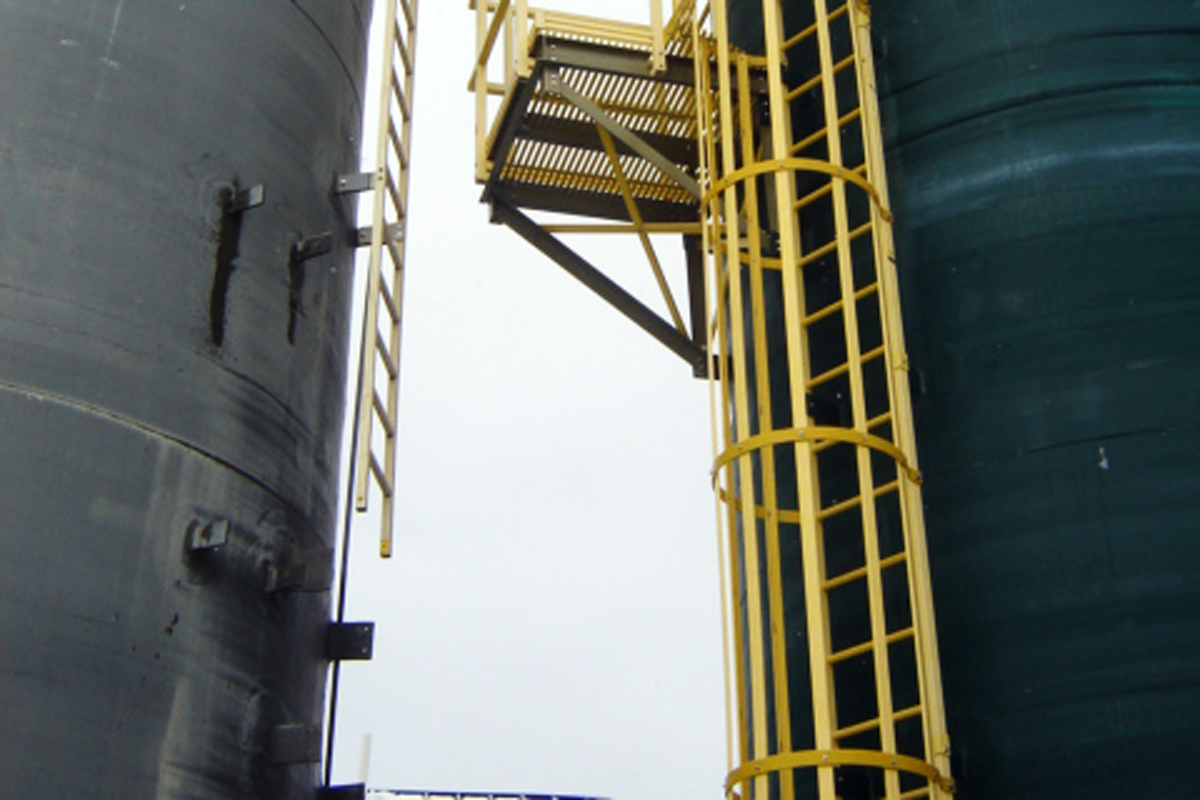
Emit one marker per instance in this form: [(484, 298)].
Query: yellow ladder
[(835, 670), (375, 445)]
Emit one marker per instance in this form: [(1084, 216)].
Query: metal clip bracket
[(349, 641), (206, 536), (247, 199), (312, 247), (355, 183)]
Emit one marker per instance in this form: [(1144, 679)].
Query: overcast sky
[(551, 619)]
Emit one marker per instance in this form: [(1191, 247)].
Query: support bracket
[(349, 641), (355, 183), (202, 537), (312, 247), (249, 198), (579, 267)]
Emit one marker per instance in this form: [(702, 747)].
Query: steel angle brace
[(507, 214), (554, 84)]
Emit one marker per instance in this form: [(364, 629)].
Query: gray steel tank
[(172, 370)]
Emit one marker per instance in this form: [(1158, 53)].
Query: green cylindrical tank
[(1044, 163)]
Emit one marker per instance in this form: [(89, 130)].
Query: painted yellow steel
[(816, 434), (640, 104), (839, 758), (766, 167), (796, 222), (375, 444), (639, 226)]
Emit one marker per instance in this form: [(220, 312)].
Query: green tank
[(1044, 163)]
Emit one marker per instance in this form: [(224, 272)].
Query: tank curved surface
[(1044, 169), (171, 389)]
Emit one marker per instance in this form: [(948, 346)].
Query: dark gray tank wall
[(165, 365)]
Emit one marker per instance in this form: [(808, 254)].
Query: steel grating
[(542, 141)]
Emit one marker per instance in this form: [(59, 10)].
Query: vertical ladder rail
[(375, 436)]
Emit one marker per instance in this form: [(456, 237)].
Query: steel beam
[(505, 213)]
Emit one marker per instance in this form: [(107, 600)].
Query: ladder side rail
[(750, 216), (937, 740), (854, 354), (714, 325)]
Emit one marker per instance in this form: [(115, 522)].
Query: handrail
[(489, 40)]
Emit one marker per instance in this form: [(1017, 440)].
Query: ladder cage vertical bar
[(770, 498)]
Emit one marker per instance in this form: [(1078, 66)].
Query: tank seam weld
[(128, 422)]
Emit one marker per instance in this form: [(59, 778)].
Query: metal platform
[(569, 77), (597, 120)]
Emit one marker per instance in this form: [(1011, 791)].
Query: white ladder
[(375, 445)]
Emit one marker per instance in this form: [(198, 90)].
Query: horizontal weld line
[(147, 430)]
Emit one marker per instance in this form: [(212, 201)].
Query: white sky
[(551, 619)]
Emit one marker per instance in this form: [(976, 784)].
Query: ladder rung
[(828, 375), (816, 195), (401, 97), (842, 369), (828, 247), (808, 141), (397, 257), (388, 363), (850, 652), (866, 647), (385, 484), (913, 794), (856, 728), (816, 80), (860, 573), (872, 724), (846, 505), (397, 146), (838, 508), (385, 419), (402, 44), (880, 491), (397, 199), (811, 29), (836, 305), (816, 136), (409, 15), (389, 301), (882, 419)]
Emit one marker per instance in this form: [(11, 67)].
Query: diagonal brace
[(507, 214), (636, 218), (556, 85)]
